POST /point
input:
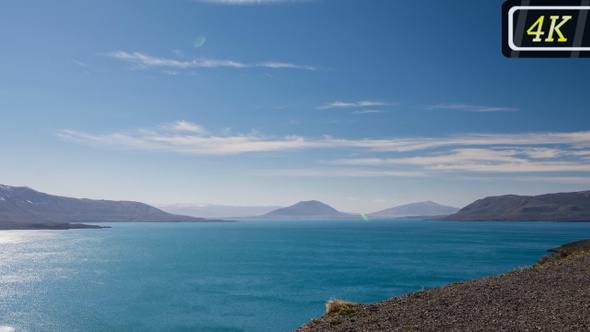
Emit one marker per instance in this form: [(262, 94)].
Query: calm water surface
[(247, 276)]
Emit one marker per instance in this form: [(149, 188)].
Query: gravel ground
[(554, 296)]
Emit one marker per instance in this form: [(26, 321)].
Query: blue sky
[(363, 105)]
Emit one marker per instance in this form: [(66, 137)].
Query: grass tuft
[(340, 308)]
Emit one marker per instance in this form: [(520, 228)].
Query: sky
[(361, 104)]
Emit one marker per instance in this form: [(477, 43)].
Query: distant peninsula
[(25, 208), (565, 207), (19, 225)]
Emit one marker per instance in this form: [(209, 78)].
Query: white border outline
[(511, 28)]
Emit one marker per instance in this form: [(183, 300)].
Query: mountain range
[(25, 208), (25, 205), (550, 207)]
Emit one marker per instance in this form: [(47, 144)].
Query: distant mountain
[(307, 210), (216, 211), (422, 209), (23, 204), (551, 207)]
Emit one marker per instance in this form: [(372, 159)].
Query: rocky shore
[(553, 295)]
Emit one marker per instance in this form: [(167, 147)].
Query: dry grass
[(338, 307), (552, 259)]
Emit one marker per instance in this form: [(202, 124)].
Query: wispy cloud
[(489, 160), (250, 2), (79, 63), (188, 138), (144, 61), (557, 179), (471, 108), (561, 153), (185, 136), (185, 127), (275, 64), (340, 173), (341, 104), (368, 112)]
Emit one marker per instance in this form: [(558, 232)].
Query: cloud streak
[(186, 136), (419, 156), (340, 173), (488, 160), (368, 112), (144, 61), (471, 108), (341, 104)]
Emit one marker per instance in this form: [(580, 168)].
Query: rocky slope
[(553, 295)]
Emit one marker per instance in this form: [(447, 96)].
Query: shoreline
[(17, 225), (552, 295)]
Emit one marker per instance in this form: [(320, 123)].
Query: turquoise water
[(247, 276)]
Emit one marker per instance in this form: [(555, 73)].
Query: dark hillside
[(551, 207), (23, 204)]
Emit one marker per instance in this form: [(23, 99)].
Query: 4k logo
[(537, 29), (544, 30)]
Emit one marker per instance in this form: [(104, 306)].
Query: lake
[(245, 276)]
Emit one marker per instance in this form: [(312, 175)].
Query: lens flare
[(200, 41)]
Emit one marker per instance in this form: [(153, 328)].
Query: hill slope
[(551, 296), (23, 204), (423, 209), (551, 207), (307, 210)]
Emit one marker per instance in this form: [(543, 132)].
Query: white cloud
[(368, 112), (145, 61), (543, 153), (341, 104), (190, 137), (557, 179), (186, 137), (489, 160), (518, 167), (340, 173), (185, 126), (402, 157), (472, 108), (275, 64)]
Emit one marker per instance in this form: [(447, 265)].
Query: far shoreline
[(50, 225), (17, 225)]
